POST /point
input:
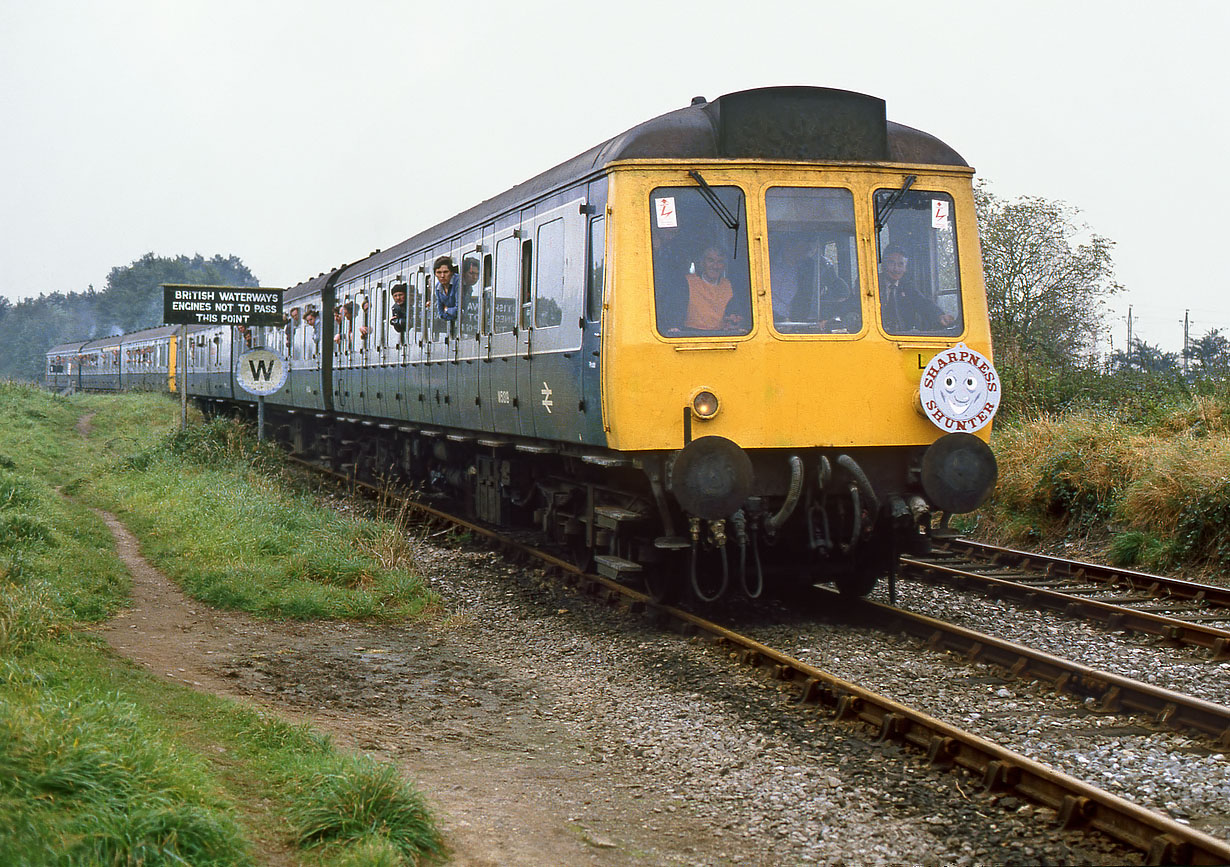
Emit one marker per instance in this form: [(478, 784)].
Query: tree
[(1210, 353), (131, 301), (1047, 277), (133, 298), (1146, 358)]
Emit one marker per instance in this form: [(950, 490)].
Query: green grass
[(87, 778), (101, 763), (211, 513)]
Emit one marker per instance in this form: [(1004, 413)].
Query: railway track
[(1077, 804), (1184, 612)]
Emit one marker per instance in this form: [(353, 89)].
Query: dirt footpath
[(508, 787)]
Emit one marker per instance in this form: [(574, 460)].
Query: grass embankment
[(1148, 491), (101, 763)]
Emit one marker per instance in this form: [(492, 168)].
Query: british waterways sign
[(220, 305)]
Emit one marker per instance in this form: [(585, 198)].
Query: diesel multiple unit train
[(742, 345)]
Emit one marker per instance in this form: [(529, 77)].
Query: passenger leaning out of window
[(448, 282), (397, 318)]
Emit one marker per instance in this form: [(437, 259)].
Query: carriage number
[(503, 396)]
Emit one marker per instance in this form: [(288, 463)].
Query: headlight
[(704, 404)]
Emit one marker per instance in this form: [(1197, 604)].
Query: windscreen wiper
[(887, 208), (709, 195)]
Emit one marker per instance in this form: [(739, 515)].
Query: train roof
[(809, 124), (155, 333)]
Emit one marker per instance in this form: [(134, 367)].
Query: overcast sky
[(301, 135)]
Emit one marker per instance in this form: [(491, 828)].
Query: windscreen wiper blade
[(891, 203), (710, 195), (723, 212)]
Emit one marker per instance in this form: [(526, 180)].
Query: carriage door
[(526, 389), (468, 338), (343, 381), (500, 366), (363, 343), (551, 381), (417, 334), (591, 338), (396, 343), (435, 348), (486, 320), (447, 412)]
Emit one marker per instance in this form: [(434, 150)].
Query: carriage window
[(433, 326), (361, 327), (597, 268), (527, 281), (507, 288), (549, 290), (920, 284), (699, 237), (488, 300), (813, 264), (471, 295)]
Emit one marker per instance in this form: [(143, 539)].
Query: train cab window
[(920, 282), (700, 271), (813, 265)]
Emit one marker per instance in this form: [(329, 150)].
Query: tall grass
[(359, 802), (1149, 492), (88, 778)]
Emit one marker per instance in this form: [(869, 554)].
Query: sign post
[(185, 304), (182, 385)]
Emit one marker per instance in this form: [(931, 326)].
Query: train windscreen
[(813, 266), (920, 282), (700, 268)]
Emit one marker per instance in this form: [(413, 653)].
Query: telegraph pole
[(1186, 323)]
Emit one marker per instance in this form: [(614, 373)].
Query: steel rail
[(1154, 585), (1113, 692), (1077, 804), (1214, 639)]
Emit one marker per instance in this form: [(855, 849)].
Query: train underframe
[(808, 516)]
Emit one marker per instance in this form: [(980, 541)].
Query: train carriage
[(62, 370), (139, 361), (148, 359), (582, 387), (100, 364)]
